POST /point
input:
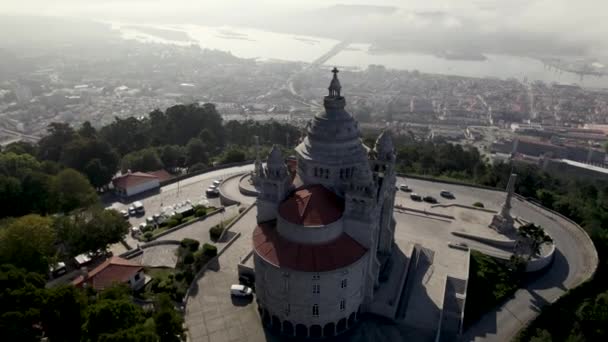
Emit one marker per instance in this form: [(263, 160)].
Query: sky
[(578, 23)]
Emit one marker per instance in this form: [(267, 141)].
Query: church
[(325, 233)]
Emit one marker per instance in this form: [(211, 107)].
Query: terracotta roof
[(336, 254), (162, 175), (113, 270), (312, 205), (132, 179)]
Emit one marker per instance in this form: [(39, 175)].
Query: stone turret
[(273, 185), (384, 148)]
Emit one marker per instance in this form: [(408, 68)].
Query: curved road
[(575, 260)]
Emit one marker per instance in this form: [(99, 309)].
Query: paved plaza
[(212, 315)]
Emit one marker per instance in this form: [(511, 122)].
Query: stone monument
[(503, 221)]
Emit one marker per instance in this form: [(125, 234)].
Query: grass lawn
[(490, 283)]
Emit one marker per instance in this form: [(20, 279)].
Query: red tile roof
[(162, 175), (132, 179), (275, 249), (113, 270), (312, 205)]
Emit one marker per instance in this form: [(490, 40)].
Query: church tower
[(324, 236)]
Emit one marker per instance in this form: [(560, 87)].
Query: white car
[(217, 182), (404, 187), (238, 290)]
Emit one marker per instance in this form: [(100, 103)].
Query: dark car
[(212, 192), (415, 197), (429, 199), (446, 194)]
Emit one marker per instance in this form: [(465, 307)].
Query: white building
[(324, 235), (133, 183)]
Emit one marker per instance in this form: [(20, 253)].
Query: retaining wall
[(225, 199), (538, 264)]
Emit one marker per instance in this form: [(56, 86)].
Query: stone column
[(503, 221)]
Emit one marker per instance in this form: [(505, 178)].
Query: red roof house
[(115, 270), (133, 183)]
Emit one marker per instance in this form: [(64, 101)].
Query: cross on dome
[(334, 86)]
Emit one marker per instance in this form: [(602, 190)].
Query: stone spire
[(506, 207), (503, 221), (334, 85), (258, 167), (384, 147)]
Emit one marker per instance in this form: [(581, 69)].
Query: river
[(265, 46)]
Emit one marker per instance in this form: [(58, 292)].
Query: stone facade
[(324, 236)]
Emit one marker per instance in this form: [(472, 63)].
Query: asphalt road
[(575, 260)]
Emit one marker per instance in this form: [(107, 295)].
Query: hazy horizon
[(553, 27)]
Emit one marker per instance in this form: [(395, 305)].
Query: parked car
[(143, 226), (58, 269), (212, 192), (135, 231), (404, 187), (217, 182), (446, 194), (125, 214), (239, 290), (150, 220), (139, 208), (429, 199), (414, 196), (132, 211)]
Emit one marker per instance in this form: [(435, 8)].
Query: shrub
[(188, 275), (215, 232), (478, 205), (190, 244), (148, 236), (179, 276), (178, 217), (200, 212), (188, 258), (209, 250), (172, 223)]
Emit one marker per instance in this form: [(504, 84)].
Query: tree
[(90, 230), (28, 242), (142, 160), (63, 304), (21, 147), (21, 299), (87, 130), (233, 155), (168, 322), (96, 159), (59, 135), (535, 236), (172, 156), (196, 152), (110, 316), (72, 190)]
